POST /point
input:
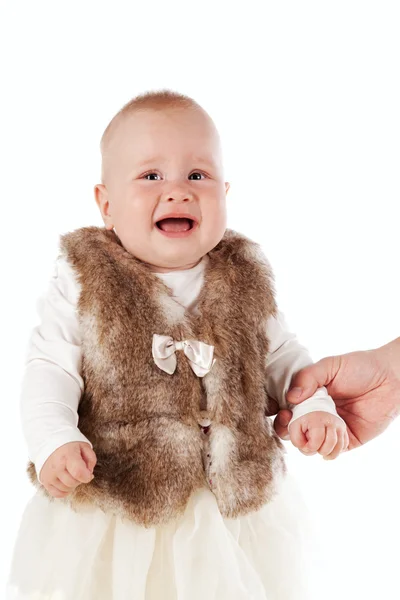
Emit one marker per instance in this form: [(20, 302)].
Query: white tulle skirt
[(61, 554)]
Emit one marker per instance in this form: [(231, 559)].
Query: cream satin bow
[(200, 355)]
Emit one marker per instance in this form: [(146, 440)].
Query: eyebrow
[(149, 161), (203, 161), (196, 159)]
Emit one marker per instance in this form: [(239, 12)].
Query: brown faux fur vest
[(144, 423)]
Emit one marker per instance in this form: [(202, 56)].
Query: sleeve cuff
[(320, 401)]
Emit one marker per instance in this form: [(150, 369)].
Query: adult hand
[(364, 385)]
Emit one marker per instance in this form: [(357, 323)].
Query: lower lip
[(178, 234)]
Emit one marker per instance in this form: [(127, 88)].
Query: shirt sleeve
[(286, 356), (52, 383)]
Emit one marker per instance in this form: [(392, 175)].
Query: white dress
[(61, 554)]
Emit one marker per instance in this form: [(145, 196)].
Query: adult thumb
[(306, 382)]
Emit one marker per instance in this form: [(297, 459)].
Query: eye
[(197, 173), (149, 175)]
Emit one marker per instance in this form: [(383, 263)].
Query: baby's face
[(160, 163)]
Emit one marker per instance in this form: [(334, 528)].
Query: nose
[(178, 193)]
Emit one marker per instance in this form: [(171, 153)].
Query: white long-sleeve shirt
[(52, 384)]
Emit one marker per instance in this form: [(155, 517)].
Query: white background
[(306, 96)]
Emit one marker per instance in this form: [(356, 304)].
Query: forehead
[(151, 132)]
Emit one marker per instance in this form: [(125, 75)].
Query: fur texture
[(144, 423)]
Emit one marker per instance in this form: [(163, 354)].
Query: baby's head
[(161, 155)]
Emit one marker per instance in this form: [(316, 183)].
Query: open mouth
[(175, 224)]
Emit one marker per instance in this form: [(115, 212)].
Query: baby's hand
[(67, 467), (321, 432)]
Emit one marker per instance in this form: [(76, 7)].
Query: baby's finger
[(55, 492), (338, 448), (316, 437), (297, 436), (61, 486), (88, 456), (77, 468), (330, 441), (67, 479)]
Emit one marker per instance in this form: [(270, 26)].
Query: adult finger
[(281, 423), (272, 408)]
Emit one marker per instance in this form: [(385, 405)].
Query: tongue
[(174, 224)]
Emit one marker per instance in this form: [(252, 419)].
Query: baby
[(163, 192), (163, 203)]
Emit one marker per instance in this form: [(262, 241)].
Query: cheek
[(215, 205), (215, 215), (138, 205)]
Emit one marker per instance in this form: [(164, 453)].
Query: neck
[(157, 269)]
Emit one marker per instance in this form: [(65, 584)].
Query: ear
[(227, 186), (101, 197)]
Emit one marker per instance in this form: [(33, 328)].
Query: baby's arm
[(286, 357), (52, 384)]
